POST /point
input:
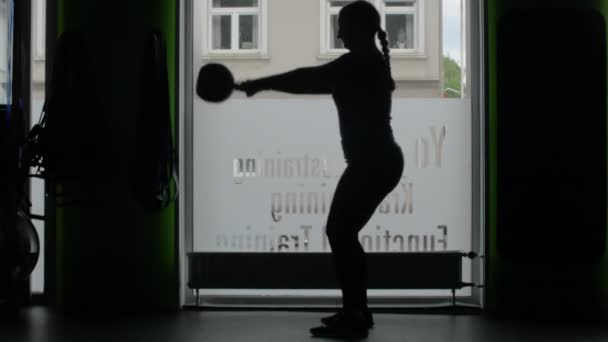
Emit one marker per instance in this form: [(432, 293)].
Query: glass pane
[(248, 32), (235, 3), (396, 3), (400, 31), (334, 41), (272, 192), (3, 51), (454, 50), (37, 195), (38, 273), (222, 32)]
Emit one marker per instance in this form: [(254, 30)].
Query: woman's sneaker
[(330, 319), (343, 326)]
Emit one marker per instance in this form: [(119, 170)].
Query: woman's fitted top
[(362, 90)]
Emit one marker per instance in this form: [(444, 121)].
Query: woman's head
[(359, 23)]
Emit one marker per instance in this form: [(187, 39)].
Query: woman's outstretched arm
[(307, 80)]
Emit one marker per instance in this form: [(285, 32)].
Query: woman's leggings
[(362, 187)]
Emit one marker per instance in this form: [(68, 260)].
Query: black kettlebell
[(215, 83)]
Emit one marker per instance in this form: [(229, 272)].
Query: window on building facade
[(400, 20), (235, 26), (333, 9)]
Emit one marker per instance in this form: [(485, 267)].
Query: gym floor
[(42, 324)]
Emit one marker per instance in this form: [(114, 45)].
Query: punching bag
[(547, 159), (154, 168)]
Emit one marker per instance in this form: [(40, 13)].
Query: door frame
[(473, 29)]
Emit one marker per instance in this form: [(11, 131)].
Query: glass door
[(261, 171)]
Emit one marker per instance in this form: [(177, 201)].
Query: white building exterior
[(261, 37)]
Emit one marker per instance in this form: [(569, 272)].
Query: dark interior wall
[(110, 252), (553, 277)]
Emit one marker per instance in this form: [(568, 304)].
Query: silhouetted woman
[(361, 85)]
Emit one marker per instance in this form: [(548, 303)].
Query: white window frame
[(207, 14), (419, 26)]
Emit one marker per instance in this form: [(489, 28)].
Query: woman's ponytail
[(386, 52)]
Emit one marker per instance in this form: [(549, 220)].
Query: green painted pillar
[(533, 288), (111, 253)]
